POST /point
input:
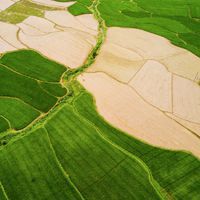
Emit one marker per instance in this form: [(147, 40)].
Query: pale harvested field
[(122, 62), (4, 4), (40, 24), (120, 105), (147, 63), (53, 3), (8, 36), (150, 47), (60, 46), (60, 37), (195, 127), (4, 46), (186, 99), (65, 19), (153, 83)]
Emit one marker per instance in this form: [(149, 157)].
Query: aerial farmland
[(99, 100)]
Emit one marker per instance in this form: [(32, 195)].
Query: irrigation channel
[(68, 80)]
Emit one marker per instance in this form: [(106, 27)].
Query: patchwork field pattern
[(28, 89), (54, 144)]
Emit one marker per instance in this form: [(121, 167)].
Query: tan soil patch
[(65, 19), (122, 107), (4, 46), (63, 47), (41, 24), (153, 83), (67, 45), (192, 126), (53, 3), (88, 21), (8, 33), (4, 4), (117, 61), (29, 30), (150, 47), (186, 99), (186, 65)]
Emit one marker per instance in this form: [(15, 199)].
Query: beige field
[(153, 83), (40, 24), (65, 19), (186, 99), (8, 35), (53, 3), (150, 47), (120, 105), (60, 36), (147, 87), (122, 62), (4, 46), (4, 4), (194, 127)]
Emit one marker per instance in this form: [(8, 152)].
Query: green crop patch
[(32, 64), (176, 20), (4, 125), (30, 85), (29, 170), (17, 113), (53, 142), (2, 193), (176, 172), (80, 7), (96, 166)]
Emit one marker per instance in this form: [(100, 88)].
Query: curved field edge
[(175, 172), (30, 87), (177, 192), (177, 21)]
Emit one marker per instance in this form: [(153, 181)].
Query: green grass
[(178, 21), (97, 168), (177, 172), (101, 161), (74, 153), (32, 64), (30, 85), (80, 7), (4, 125), (29, 170), (2, 193), (17, 113)]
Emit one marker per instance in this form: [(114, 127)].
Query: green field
[(53, 142), (178, 21), (28, 88)]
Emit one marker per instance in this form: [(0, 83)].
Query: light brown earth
[(53, 3), (61, 36), (8, 36), (150, 47), (120, 105), (163, 105), (153, 83), (186, 99), (4, 4)]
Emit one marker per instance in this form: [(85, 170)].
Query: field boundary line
[(3, 190), (152, 181), (24, 75), (65, 174)]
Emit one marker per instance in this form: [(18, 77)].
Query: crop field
[(99, 100)]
